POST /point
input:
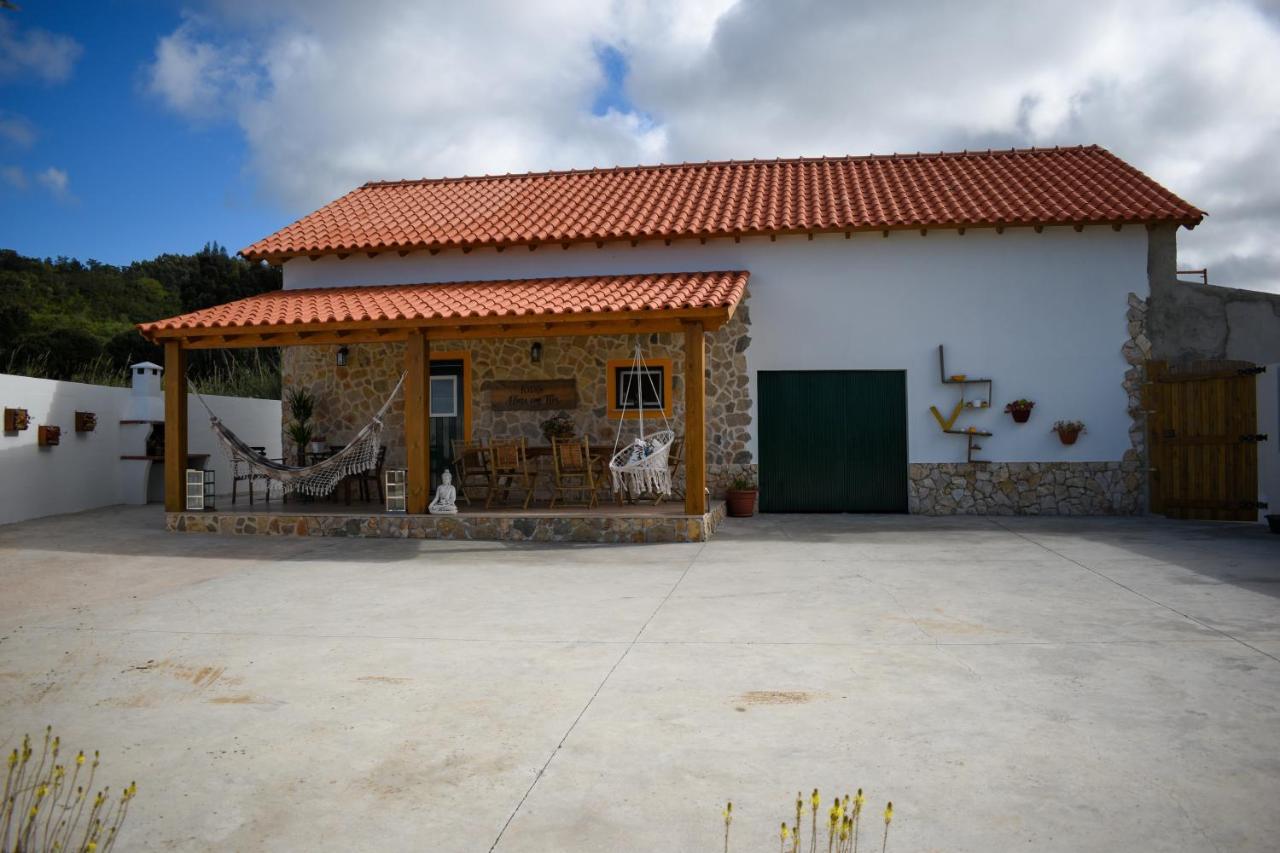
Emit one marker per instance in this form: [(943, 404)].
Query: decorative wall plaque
[(532, 395), (16, 420)]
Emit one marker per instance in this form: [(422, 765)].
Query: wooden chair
[(240, 472), (509, 469), (471, 469), (675, 461), (374, 478), (574, 471)]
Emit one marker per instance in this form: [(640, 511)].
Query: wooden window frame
[(668, 397)]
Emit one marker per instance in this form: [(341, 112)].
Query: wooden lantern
[(16, 420), (86, 421), (396, 490), (48, 435)]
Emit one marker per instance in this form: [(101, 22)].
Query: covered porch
[(402, 322)]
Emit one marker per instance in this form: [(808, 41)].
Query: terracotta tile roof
[(1045, 186), (461, 301)]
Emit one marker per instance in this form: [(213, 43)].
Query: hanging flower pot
[(1020, 410), (1068, 431)]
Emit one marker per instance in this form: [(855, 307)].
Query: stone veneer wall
[(348, 397), (1049, 488)]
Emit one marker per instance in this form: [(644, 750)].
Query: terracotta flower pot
[(1068, 437), (1020, 416), (740, 503)]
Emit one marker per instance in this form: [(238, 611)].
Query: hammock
[(642, 466), (361, 454)]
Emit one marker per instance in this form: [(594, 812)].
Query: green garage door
[(832, 440)]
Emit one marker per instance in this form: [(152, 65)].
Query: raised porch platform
[(666, 522)]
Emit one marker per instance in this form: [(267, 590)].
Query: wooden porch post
[(175, 426), (417, 421), (695, 419)]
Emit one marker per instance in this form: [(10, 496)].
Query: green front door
[(832, 440)]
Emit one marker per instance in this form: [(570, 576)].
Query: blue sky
[(140, 180)]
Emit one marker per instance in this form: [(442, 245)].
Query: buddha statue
[(445, 501)]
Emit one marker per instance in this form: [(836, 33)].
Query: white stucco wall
[(1041, 314), (85, 470)]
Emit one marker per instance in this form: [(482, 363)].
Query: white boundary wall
[(85, 470), (1041, 314)]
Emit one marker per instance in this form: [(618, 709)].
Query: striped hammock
[(360, 454)]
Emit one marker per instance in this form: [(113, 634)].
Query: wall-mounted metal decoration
[(48, 435), (948, 423), (200, 489), (86, 421), (16, 420), (395, 483)]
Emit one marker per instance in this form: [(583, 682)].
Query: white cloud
[(197, 78), (17, 130), (50, 57), (55, 180), (329, 94)]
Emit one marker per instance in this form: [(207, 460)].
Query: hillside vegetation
[(70, 319)]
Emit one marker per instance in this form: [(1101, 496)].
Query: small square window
[(632, 387), (636, 387), (444, 396)]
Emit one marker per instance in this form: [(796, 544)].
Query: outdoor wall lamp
[(535, 352), (343, 352)]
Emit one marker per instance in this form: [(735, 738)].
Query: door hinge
[(1254, 439), (1252, 371)]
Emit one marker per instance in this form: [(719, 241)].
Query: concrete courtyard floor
[(1037, 684)]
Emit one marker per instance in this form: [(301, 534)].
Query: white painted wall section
[(1041, 314), (85, 470)]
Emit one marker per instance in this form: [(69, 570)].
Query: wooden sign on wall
[(532, 395)]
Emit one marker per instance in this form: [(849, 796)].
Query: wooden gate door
[(1202, 424)]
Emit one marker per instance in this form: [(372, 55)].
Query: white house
[(820, 293)]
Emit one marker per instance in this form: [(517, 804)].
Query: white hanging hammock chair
[(641, 466), (360, 454)]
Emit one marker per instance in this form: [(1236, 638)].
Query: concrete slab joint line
[(631, 645), (1130, 589)]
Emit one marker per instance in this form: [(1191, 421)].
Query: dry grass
[(844, 825), (44, 810)]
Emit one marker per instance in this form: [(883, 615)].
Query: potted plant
[(300, 434), (302, 405), (1020, 409), (740, 497), (558, 426), (1068, 431)]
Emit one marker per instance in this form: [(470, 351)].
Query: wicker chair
[(471, 469), (509, 469), (574, 471)]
